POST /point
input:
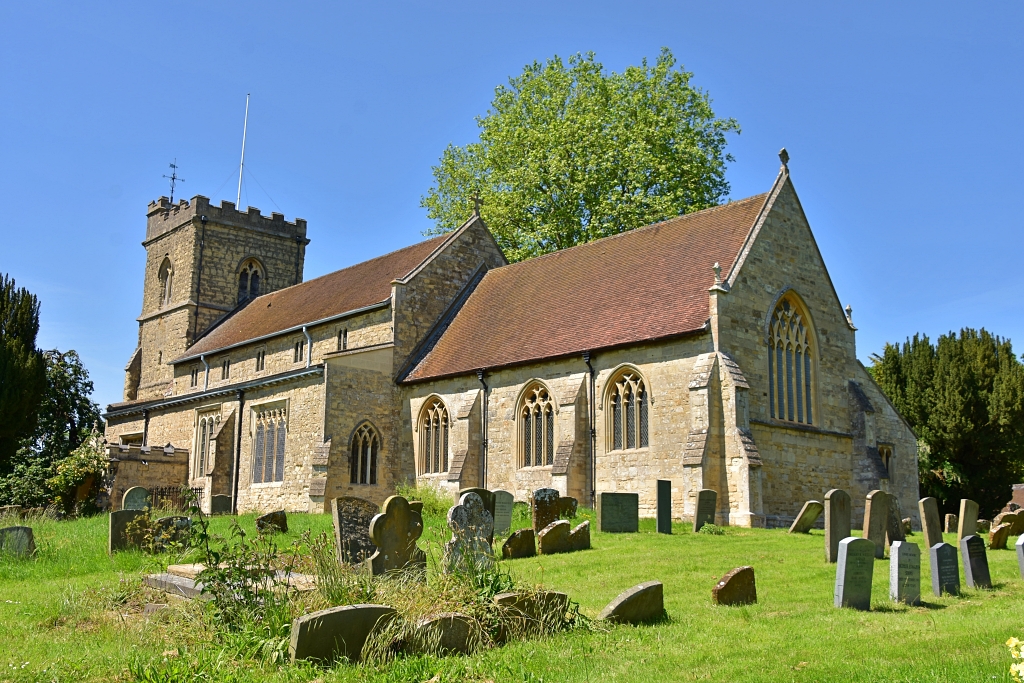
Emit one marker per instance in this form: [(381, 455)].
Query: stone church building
[(710, 349)]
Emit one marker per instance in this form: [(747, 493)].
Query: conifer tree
[(22, 368)]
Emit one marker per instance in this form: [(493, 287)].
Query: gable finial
[(784, 157), (477, 203), (718, 273)]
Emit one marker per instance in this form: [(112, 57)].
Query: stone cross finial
[(784, 157), (718, 273), (849, 313), (477, 203)]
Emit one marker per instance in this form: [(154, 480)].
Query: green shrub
[(436, 502), (711, 529)]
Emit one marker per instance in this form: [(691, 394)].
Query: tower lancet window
[(249, 277), (791, 382), (536, 428), (434, 437), (629, 411), (166, 282)]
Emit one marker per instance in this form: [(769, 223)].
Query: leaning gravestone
[(968, 525), (567, 506), (352, 517), (486, 495), (18, 541), (894, 522), (707, 503), (336, 632), (808, 515), (579, 538), (135, 498), (876, 516), (446, 633), (905, 572), (737, 587), (931, 524), (997, 537), (637, 605), (972, 553), (472, 528), (394, 531), (837, 522), (119, 521), (664, 506), (544, 508), (272, 522), (950, 526), (503, 501), (1020, 555), (554, 538), (519, 544), (856, 564), (945, 570), (618, 512)]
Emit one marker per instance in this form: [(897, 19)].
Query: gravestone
[(18, 541), (503, 501), (172, 584), (1014, 519), (950, 525), (519, 544), (567, 506), (637, 605), (174, 529), (529, 611), (394, 531), (984, 526), (579, 537), (135, 498), (997, 537), (447, 633), (272, 522), (855, 566), (618, 512), (544, 508), (908, 526), (894, 522), (808, 515), (736, 588), (945, 570), (905, 572), (486, 495), (352, 517), (968, 524), (472, 528), (416, 506), (1020, 555), (554, 538), (837, 521), (664, 507), (220, 504), (119, 521), (972, 554), (336, 632), (876, 516), (707, 503), (1018, 525)]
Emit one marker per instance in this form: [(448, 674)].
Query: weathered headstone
[(618, 512), (174, 529), (1020, 555), (1018, 525), (503, 501), (1014, 519), (272, 522), (736, 588), (472, 526), (119, 521), (394, 531), (664, 506), (972, 554), (567, 506), (855, 566), (579, 537), (837, 521), (544, 508), (951, 522), (519, 544), (997, 537), (905, 572), (135, 498), (220, 504), (486, 495), (808, 515), (894, 522), (968, 520), (352, 517), (984, 526), (18, 541), (637, 605), (876, 516), (908, 526), (554, 538), (530, 611), (945, 569), (447, 633), (416, 506), (336, 632), (707, 503)]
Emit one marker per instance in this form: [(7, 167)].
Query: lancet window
[(629, 412), (166, 282), (790, 363), (204, 436), (249, 280), (536, 428), (271, 428), (365, 448), (434, 437)]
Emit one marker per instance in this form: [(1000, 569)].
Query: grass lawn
[(74, 614)]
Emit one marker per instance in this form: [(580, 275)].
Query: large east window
[(790, 363), (269, 437)]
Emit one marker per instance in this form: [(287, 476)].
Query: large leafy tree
[(22, 369), (569, 153), (964, 397)]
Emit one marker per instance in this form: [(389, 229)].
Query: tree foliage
[(570, 153), (964, 397), (22, 368)]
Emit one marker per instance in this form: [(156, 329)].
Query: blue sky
[(903, 122)]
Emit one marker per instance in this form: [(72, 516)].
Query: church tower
[(202, 262)]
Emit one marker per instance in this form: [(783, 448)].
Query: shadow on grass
[(891, 607)]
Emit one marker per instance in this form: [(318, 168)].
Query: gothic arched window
[(166, 282), (204, 433), (249, 277), (434, 437), (365, 447), (536, 427), (790, 363), (629, 412), (268, 444)]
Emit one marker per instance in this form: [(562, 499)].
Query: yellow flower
[(1012, 642)]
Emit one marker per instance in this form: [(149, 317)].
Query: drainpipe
[(199, 281), (145, 427), (593, 433), (309, 344), (206, 376), (240, 395), (483, 429)]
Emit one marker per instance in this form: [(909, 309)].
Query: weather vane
[(174, 177)]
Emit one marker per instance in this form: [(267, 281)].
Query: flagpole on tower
[(241, 165)]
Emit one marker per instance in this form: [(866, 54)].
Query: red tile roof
[(358, 286), (644, 284)]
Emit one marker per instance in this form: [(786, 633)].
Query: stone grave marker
[(503, 501), (394, 531), (908, 526), (447, 633), (486, 495), (416, 506), (520, 544), (984, 526), (554, 538), (272, 522), (808, 515), (968, 520), (905, 572), (567, 506), (997, 537), (736, 588), (637, 605), (894, 522), (153, 607), (135, 498), (530, 610), (664, 506), (855, 566), (707, 503), (18, 541), (1018, 525), (945, 570), (876, 516), (472, 528), (950, 525), (119, 521), (172, 584), (1014, 519), (336, 632), (544, 508), (618, 512), (837, 521), (1019, 546), (352, 517), (972, 553), (220, 504), (174, 529), (579, 537)]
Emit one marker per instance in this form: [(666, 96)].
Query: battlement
[(162, 216)]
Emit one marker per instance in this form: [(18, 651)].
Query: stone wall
[(143, 466)]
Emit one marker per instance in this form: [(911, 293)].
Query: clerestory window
[(434, 437), (365, 448), (536, 427), (629, 412), (790, 363)]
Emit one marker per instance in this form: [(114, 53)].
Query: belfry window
[(271, 428), (166, 282), (629, 412), (790, 363), (434, 437), (249, 281), (536, 428), (365, 448)]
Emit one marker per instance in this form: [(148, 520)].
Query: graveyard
[(72, 611)]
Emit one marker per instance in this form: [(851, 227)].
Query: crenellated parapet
[(162, 217)]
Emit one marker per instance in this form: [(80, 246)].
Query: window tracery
[(271, 427), (365, 448), (790, 363), (536, 427), (434, 437), (204, 436), (249, 278), (629, 411)]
